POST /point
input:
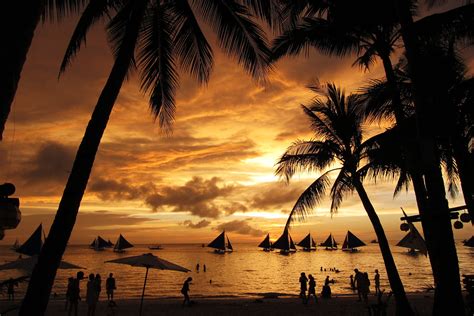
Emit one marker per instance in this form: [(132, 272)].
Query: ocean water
[(246, 272)]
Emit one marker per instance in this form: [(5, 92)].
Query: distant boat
[(15, 245), (330, 243), (413, 241), (470, 242), (351, 243), (99, 244), (122, 244), (221, 244), (285, 243), (32, 246), (374, 241), (155, 247), (307, 243), (109, 244), (266, 244)]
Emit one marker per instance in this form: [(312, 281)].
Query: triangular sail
[(313, 243), (32, 246), (109, 244), (101, 242), (93, 243), (413, 240), (470, 242), (330, 242), (219, 242), (352, 241), (122, 243), (229, 245), (266, 243), (285, 242), (292, 244), (306, 242)]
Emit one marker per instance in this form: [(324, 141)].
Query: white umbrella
[(27, 264), (148, 261)]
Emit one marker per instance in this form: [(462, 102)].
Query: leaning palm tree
[(337, 124), (153, 36)]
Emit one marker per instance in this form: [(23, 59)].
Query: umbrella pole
[(143, 292)]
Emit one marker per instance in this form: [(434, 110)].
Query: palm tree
[(21, 17), (337, 124), (160, 34)]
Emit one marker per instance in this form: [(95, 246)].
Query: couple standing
[(304, 287)]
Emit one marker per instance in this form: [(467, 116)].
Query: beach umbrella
[(148, 261), (27, 264)]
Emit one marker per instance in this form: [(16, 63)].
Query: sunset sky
[(215, 171)]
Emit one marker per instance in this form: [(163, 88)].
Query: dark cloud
[(276, 195), (234, 207), (201, 224), (195, 196), (110, 189), (240, 227)]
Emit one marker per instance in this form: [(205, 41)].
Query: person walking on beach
[(326, 292), (303, 286), (197, 267), (91, 295), (365, 287), (312, 288), (185, 291), (74, 293), (353, 287), (377, 282), (359, 282), (98, 285), (204, 267), (110, 287)]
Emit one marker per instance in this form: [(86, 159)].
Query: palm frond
[(308, 200), (238, 35), (155, 58), (194, 52), (59, 9), (402, 183), (342, 185)]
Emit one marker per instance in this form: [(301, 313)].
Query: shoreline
[(342, 304)]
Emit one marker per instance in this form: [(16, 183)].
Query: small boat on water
[(351, 243), (307, 243), (413, 241), (266, 244), (122, 244), (99, 244), (32, 246), (469, 242), (155, 247), (330, 243), (285, 243), (15, 245), (221, 244), (374, 241)]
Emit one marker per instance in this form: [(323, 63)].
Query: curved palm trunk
[(448, 297), (402, 305), (409, 148), (19, 18), (42, 279)]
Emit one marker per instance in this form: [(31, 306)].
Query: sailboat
[(285, 243), (413, 241), (122, 244), (109, 244), (470, 242), (221, 244), (266, 244), (307, 243), (351, 243), (15, 245), (330, 243), (99, 244), (32, 246)]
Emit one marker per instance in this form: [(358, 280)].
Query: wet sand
[(339, 305)]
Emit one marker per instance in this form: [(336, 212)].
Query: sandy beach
[(339, 305)]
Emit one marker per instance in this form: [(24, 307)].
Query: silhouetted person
[(197, 267), (303, 286), (91, 295), (359, 282), (110, 287), (312, 288), (321, 269), (365, 288), (204, 268), (185, 291), (74, 293), (353, 287), (11, 289), (326, 292), (98, 285), (377, 282), (68, 291)]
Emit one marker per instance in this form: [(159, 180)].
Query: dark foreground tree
[(337, 124), (162, 33)]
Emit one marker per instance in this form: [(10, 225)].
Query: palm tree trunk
[(19, 19), (448, 297), (410, 152), (402, 305), (44, 273)]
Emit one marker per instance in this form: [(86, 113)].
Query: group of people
[(361, 283), (307, 284), (94, 287), (204, 268)]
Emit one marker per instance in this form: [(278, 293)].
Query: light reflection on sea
[(246, 271)]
